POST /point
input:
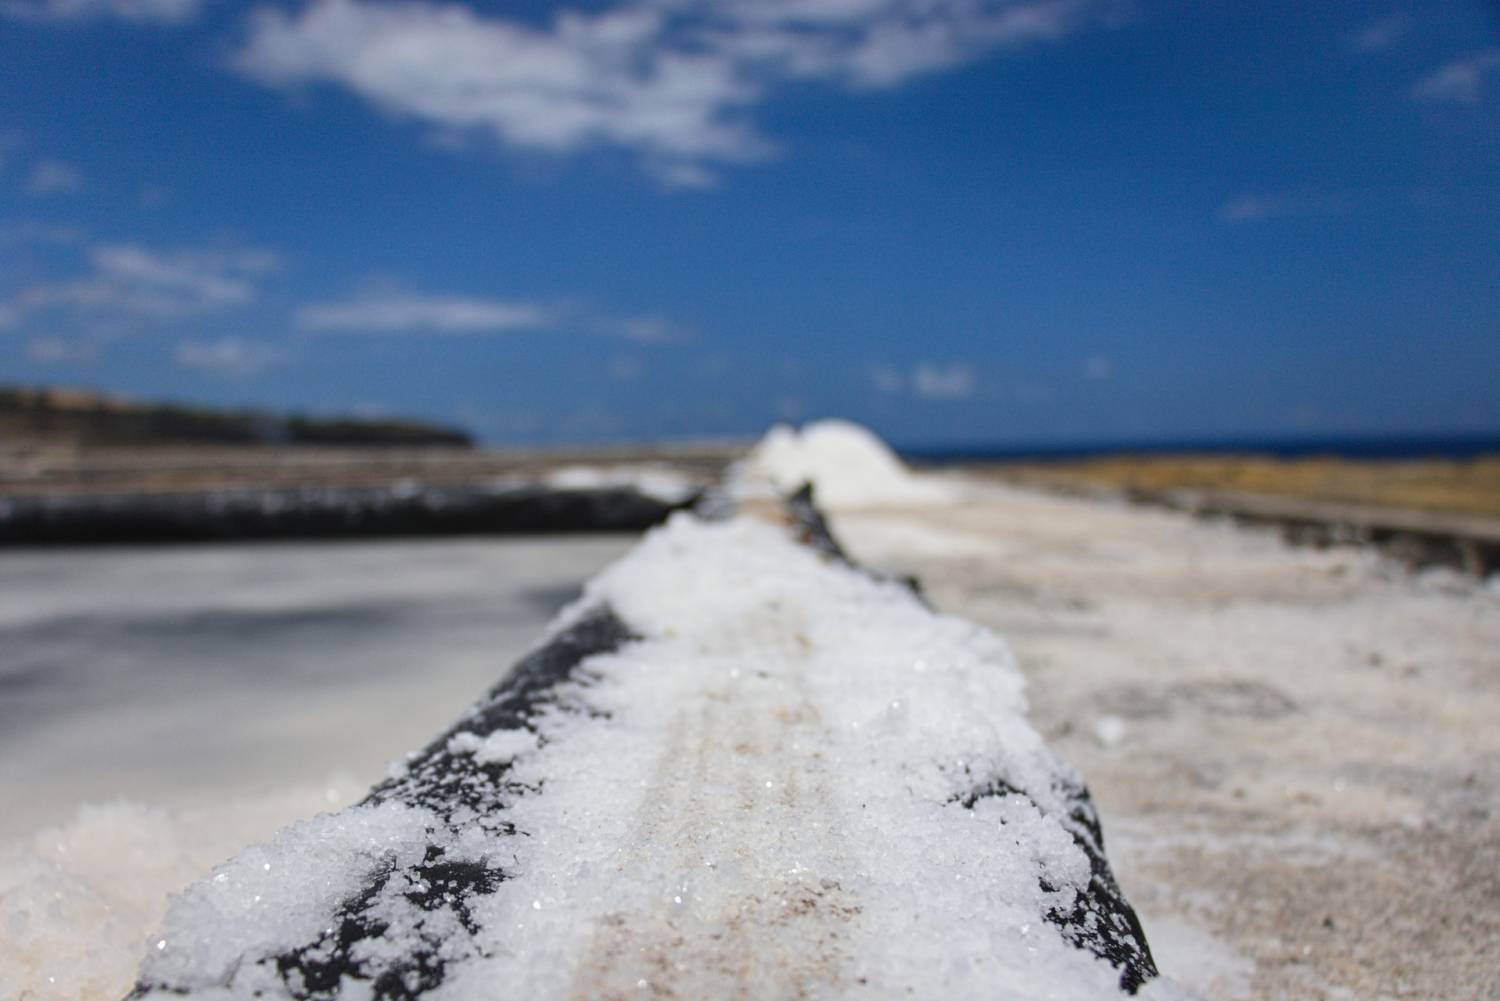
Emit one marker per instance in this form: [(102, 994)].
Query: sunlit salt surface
[(767, 792), (659, 482), (161, 708), (764, 794), (848, 466), (187, 675)]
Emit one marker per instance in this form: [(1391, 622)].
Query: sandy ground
[(1295, 752)]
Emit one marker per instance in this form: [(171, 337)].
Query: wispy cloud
[(39, 233), (1255, 208), (1247, 208), (53, 177), (1098, 368), (649, 329), (626, 369), (673, 82), (1381, 33), (158, 11), (943, 382), (126, 282), (960, 381), (52, 350), (228, 356), (887, 379), (398, 312), (1461, 81), (927, 380), (383, 310)]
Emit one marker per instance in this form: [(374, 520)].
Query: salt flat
[(196, 676), (162, 708), (1293, 751)]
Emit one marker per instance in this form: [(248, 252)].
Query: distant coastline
[(81, 417)]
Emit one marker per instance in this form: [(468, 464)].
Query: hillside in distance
[(84, 417)]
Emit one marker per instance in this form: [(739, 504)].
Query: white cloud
[(1461, 81), (927, 380), (588, 81), (228, 356), (671, 81), (384, 311), (943, 382), (53, 177), (51, 350), (1381, 33), (158, 11), (124, 282), (650, 329), (398, 312)]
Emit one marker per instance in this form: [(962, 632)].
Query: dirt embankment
[(1434, 486), (1293, 750), (1429, 512)]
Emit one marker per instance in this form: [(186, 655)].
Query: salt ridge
[(782, 783)]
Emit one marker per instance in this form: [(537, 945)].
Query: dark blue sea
[(1453, 446)]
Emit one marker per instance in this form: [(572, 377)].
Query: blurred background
[(441, 303), (349, 268)]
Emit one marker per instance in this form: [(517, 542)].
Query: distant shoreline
[(1426, 446)]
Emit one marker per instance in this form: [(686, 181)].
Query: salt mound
[(752, 771), (77, 901), (847, 465)]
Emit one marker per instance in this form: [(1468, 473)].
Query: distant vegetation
[(1454, 486), (89, 418)]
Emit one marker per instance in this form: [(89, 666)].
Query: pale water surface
[(191, 677)]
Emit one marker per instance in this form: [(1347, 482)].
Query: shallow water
[(192, 677)]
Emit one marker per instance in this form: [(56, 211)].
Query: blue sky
[(959, 221)]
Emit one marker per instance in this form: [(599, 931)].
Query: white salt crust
[(759, 801), (848, 466), (659, 482)]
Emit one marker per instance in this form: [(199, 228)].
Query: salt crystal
[(1109, 730)]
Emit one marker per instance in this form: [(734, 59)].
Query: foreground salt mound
[(848, 466), (738, 767), (77, 900)]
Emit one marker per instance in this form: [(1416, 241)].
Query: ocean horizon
[(1463, 445)]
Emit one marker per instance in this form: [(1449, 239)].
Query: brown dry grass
[(1470, 487)]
